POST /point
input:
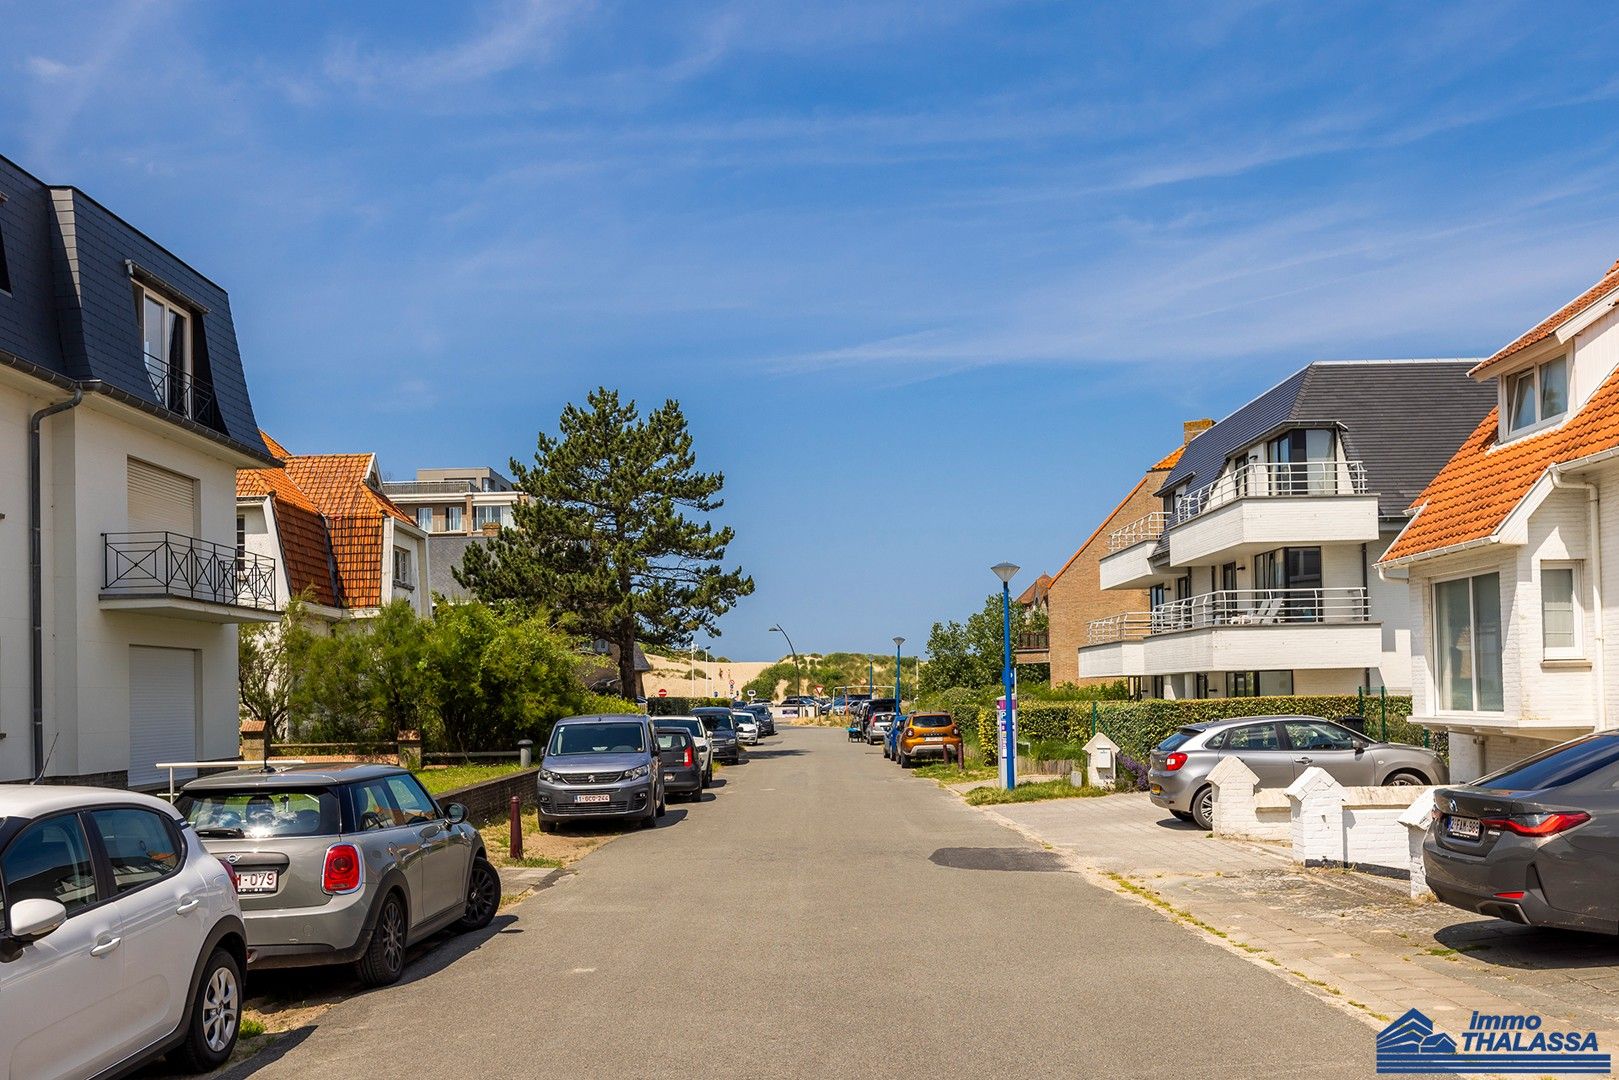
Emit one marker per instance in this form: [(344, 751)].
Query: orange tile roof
[(1548, 326), (1035, 591), (331, 522), (1169, 461), (1478, 488)]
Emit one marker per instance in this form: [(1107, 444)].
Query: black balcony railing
[(171, 564), (1033, 641), (182, 392)]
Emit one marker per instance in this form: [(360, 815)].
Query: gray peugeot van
[(601, 767)]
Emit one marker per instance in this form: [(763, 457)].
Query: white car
[(693, 726), (747, 727), (121, 939)]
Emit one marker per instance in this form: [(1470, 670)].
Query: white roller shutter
[(160, 500), (162, 712)]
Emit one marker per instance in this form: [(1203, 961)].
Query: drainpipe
[(1591, 528), (36, 592)]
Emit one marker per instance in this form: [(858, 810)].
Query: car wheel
[(1405, 778), (547, 826), (1203, 808), (1182, 814), (708, 778), (216, 1016), (904, 760), (663, 802), (483, 896), (384, 959)]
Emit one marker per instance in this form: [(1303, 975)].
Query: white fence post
[(1317, 817), (1416, 819), (1235, 813)]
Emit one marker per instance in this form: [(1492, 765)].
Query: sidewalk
[(1353, 939)]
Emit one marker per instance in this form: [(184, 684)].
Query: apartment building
[(1511, 556), (457, 508), (124, 415), (1259, 561), (337, 541)]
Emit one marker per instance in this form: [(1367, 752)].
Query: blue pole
[(1006, 679), (896, 683), (871, 679)]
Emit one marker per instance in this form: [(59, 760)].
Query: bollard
[(525, 752), (517, 828)]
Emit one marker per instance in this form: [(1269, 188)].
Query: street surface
[(811, 918)]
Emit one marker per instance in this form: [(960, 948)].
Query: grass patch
[(438, 779), (950, 774), (251, 1028), (1049, 789), (534, 862)]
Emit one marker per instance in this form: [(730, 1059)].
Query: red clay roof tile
[(1548, 326)]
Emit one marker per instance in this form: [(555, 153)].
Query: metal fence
[(1138, 531), (1126, 626), (182, 392), (170, 564), (1273, 479), (1262, 607)]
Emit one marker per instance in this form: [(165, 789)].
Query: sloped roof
[(1402, 418), (1170, 460), (337, 489), (1036, 591), (1544, 329), (306, 550), (1474, 493)]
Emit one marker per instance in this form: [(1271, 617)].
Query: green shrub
[(680, 706), (1050, 789)]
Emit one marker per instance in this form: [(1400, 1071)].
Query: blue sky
[(934, 282)]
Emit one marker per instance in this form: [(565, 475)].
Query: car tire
[(1405, 778), (1203, 808), (215, 1020), (384, 959), (483, 896), (904, 760), (663, 802)]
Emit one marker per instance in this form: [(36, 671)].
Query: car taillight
[(341, 874), (230, 872), (1537, 824), (1174, 761), (687, 762)]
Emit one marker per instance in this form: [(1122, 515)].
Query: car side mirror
[(34, 919), (455, 813)]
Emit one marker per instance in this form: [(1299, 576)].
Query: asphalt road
[(814, 918)]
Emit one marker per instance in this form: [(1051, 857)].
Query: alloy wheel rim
[(1205, 803), (482, 893), (393, 945), (221, 1009)]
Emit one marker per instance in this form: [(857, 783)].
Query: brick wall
[(1076, 595), (488, 800)]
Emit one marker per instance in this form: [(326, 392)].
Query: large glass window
[(1559, 617), (260, 813), (166, 341), (1467, 652), (50, 861), (424, 518), (452, 519), (485, 515), (1537, 395)]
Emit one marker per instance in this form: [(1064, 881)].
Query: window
[(404, 570), (241, 537), (1537, 396), (485, 515), (372, 808), (166, 341), (1253, 737), (1305, 735), (1467, 652), (452, 519), (51, 861), (414, 804), (1559, 612), (606, 738), (260, 813), (141, 846), (424, 518)]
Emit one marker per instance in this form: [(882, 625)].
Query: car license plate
[(603, 797), (1463, 828), (257, 881), (935, 738)]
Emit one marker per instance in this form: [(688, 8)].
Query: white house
[(1510, 553), (1259, 565), (124, 416)]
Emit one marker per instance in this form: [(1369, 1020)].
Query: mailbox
[(1102, 759)]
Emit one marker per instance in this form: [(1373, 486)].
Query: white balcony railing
[(1269, 479), (1138, 531), (1262, 607), (1127, 626)]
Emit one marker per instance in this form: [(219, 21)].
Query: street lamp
[(898, 641), (796, 667), (1006, 572)]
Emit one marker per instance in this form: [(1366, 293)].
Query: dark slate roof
[(443, 558), (1402, 418), (72, 315)]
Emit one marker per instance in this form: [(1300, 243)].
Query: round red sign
[(663, 693)]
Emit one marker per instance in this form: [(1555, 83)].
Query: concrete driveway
[(825, 914)]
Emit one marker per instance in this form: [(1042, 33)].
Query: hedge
[(681, 706), (1138, 726)]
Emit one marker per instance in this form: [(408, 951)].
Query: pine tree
[(603, 538)]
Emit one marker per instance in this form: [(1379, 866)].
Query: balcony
[(1262, 630), (406, 489), (164, 573), (181, 392), (1265, 505), (1128, 563), (1033, 647), (1113, 646)]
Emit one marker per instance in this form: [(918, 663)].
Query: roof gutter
[(36, 577), (1592, 508), (1466, 545)]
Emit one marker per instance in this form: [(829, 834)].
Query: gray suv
[(343, 865), (601, 767), (1278, 749)]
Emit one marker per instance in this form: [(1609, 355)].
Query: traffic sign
[(663, 692)]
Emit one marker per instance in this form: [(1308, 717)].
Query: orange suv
[(929, 735)]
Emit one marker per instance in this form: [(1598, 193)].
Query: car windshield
[(1555, 767), (694, 728), (930, 721), (623, 737), (744, 718), (724, 723), (1175, 741), (257, 813), (668, 740)]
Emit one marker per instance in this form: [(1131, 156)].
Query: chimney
[(1191, 429)]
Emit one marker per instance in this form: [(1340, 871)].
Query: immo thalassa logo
[(1492, 1043)]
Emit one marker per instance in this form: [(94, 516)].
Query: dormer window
[(166, 341), (1537, 397)]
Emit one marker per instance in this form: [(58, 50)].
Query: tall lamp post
[(797, 668), (898, 641), (1006, 571)]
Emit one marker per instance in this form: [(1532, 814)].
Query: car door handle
[(188, 905), (1303, 760), (105, 946)]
